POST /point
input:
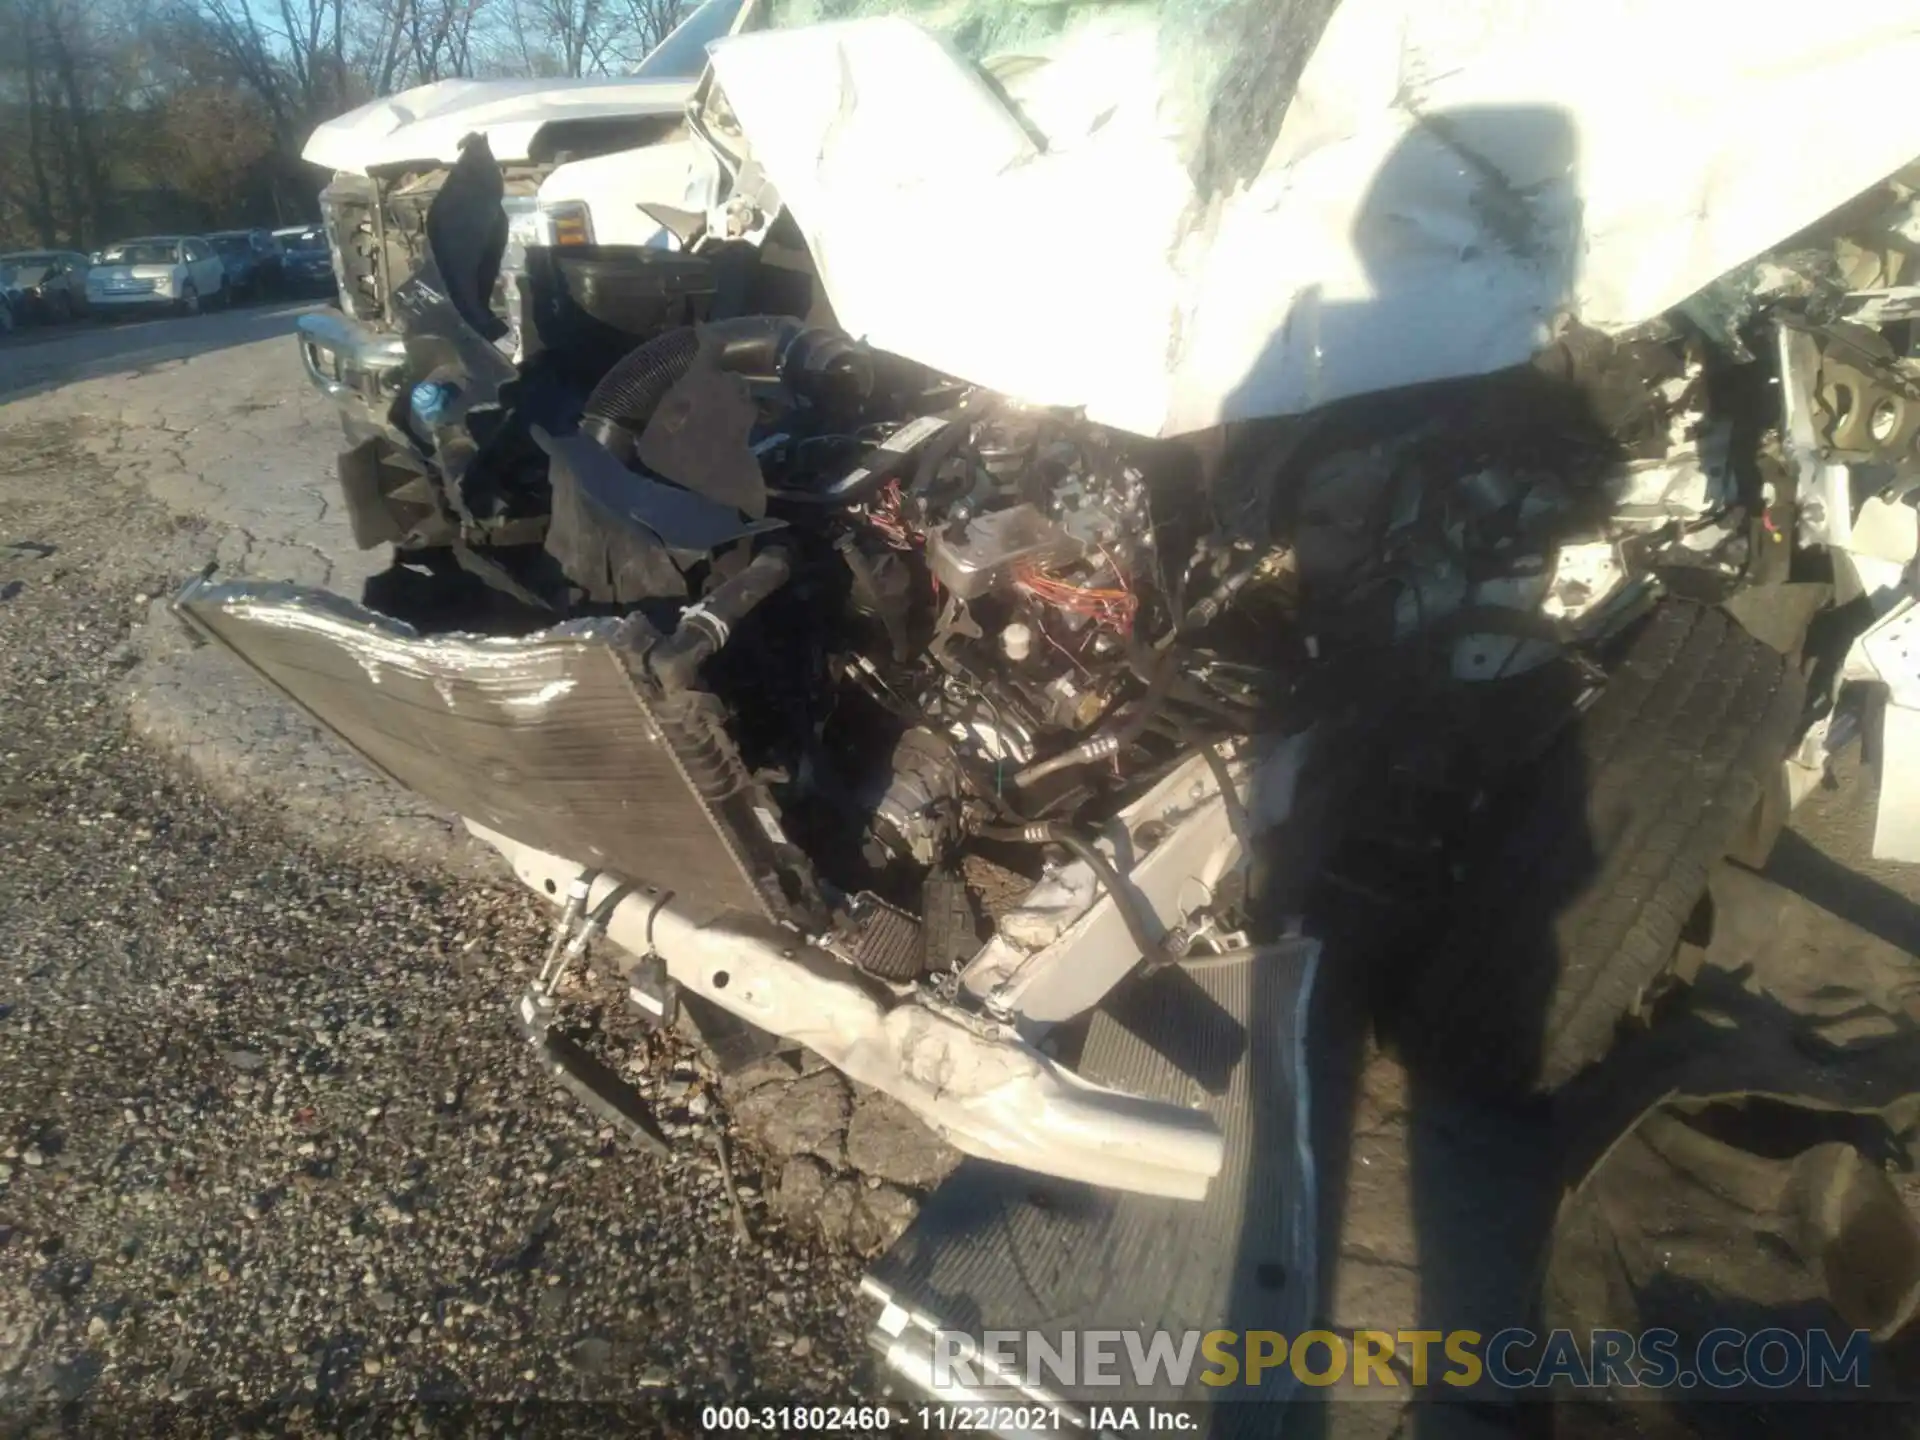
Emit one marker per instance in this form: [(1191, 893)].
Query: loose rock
[(879, 1217), (885, 1139), (808, 1117)]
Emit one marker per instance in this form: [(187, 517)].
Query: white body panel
[(1449, 181), (612, 187), (427, 124)]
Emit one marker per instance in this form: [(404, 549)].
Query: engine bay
[(892, 623), (919, 617)]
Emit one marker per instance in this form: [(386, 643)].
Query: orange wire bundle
[(884, 516), (1112, 608)]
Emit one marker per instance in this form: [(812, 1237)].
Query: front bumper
[(359, 369), (129, 300), (970, 1078), (309, 277)]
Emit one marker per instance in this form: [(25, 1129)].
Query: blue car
[(253, 260), (306, 265)]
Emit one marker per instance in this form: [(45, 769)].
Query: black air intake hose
[(809, 359), (627, 395)]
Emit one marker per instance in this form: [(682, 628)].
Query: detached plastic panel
[(1005, 1250)]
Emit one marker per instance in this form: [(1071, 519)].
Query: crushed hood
[(1174, 229), (427, 123)]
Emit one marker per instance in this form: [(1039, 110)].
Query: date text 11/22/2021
[(874, 1419), (975, 1418)]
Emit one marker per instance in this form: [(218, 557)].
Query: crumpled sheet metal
[(544, 737), (971, 1079), (1444, 187), (1864, 397)]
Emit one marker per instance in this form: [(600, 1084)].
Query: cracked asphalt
[(211, 421)]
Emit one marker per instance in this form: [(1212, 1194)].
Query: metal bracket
[(1889, 654)]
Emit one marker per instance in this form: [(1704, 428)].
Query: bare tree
[(26, 181), (575, 31), (69, 51), (588, 37), (156, 111), (53, 83), (381, 41), (216, 139), (441, 33), (645, 23), (237, 32)]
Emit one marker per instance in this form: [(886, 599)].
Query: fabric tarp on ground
[(1740, 1164)]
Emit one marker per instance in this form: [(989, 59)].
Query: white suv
[(180, 271)]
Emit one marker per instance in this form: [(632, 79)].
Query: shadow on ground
[(36, 361)]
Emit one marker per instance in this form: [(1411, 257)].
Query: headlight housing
[(163, 284), (568, 222)]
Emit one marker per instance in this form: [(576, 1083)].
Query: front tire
[(1574, 909), (189, 300)]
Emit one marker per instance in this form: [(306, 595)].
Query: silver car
[(49, 285), (182, 272)]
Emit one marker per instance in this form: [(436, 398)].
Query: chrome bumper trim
[(350, 364)]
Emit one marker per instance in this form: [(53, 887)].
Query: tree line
[(121, 116)]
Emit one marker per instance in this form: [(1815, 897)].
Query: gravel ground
[(266, 1139)]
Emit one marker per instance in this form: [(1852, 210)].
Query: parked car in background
[(6, 314), (306, 265), (183, 272), (253, 261), (573, 157), (46, 285)]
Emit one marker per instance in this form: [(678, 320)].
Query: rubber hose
[(1204, 611), (1140, 925), (707, 626), (1159, 681), (1097, 748), (628, 394), (1141, 660)]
